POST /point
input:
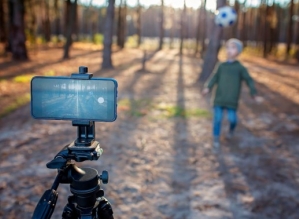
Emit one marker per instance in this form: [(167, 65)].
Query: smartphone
[(66, 98)]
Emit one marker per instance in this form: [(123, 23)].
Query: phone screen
[(62, 98)]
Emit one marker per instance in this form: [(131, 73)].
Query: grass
[(144, 107), (27, 78), (152, 44), (171, 111), (98, 39), (137, 108), (279, 53), (21, 100), (50, 73), (22, 78), (18, 102)]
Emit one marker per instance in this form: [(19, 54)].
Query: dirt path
[(158, 152)]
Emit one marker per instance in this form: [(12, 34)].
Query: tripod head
[(83, 148), (88, 199)]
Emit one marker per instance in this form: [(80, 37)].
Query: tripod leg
[(46, 205), (105, 209), (70, 211)]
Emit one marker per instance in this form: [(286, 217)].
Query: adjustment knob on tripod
[(104, 177)]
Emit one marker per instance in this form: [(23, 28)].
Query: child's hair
[(237, 42)]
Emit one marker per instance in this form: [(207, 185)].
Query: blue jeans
[(218, 115)]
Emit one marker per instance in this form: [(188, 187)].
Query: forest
[(160, 151), (265, 26)]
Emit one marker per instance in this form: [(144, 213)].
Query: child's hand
[(205, 91), (258, 99)]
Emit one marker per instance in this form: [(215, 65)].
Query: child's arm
[(213, 80), (249, 81)]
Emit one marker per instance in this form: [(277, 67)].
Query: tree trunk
[(17, 30), (290, 29), (124, 26), (46, 21), (67, 11), (121, 24), (76, 23), (32, 23), (88, 21), (138, 26), (161, 41), (260, 26), (273, 31), (297, 38), (3, 36), (279, 23), (296, 25), (235, 28), (204, 29), (173, 26), (108, 35), (71, 15), (198, 29), (266, 30), (253, 24), (183, 28), (57, 19), (211, 56), (244, 27)]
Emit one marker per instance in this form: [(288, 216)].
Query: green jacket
[(229, 77)]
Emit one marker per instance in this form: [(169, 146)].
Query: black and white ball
[(226, 16)]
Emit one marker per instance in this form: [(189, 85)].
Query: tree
[(266, 29), (211, 56), (290, 29), (46, 20), (89, 20), (273, 26), (251, 28), (259, 38), (70, 21), (57, 18), (198, 29), (243, 29), (17, 30), (124, 25), (3, 36), (31, 21), (270, 29), (75, 30), (121, 24), (173, 27), (138, 23), (236, 29), (297, 38), (108, 35), (183, 27), (204, 28), (201, 27), (161, 40)]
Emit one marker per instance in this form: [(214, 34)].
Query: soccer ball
[(225, 16)]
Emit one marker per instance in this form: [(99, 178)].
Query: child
[(228, 78)]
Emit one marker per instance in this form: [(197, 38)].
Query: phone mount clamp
[(88, 199)]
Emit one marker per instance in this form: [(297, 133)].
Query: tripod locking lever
[(57, 163)]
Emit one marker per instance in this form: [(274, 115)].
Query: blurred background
[(267, 27), (158, 152)]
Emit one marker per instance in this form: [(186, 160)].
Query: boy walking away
[(228, 78)]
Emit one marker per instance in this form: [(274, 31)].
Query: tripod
[(87, 201)]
